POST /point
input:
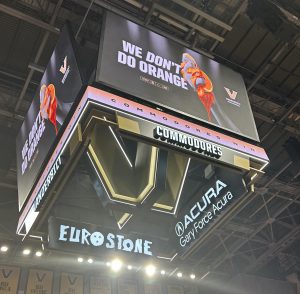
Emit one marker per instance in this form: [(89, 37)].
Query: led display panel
[(158, 70), (51, 103)]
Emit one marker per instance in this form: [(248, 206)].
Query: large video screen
[(149, 66), (54, 97)]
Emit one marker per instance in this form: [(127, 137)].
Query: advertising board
[(78, 237), (158, 70), (60, 84), (216, 196)]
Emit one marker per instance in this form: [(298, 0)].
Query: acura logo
[(179, 229)]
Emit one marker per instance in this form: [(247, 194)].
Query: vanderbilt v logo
[(72, 281), (6, 274), (231, 93), (63, 68), (40, 278)]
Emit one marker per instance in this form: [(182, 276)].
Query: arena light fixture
[(116, 265), (90, 260), (129, 267), (162, 272), (150, 270), (26, 251), (4, 248), (38, 253), (179, 274), (192, 276), (80, 259)]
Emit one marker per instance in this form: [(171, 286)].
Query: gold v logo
[(63, 68), (72, 280), (231, 93), (40, 277), (6, 274)]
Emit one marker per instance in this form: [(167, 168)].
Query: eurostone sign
[(66, 235), (155, 124)]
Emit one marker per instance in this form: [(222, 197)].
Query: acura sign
[(219, 194)]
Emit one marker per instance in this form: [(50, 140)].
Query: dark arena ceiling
[(259, 39)]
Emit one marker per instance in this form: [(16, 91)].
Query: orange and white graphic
[(48, 104), (199, 81)]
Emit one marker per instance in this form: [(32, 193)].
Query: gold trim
[(129, 125), (148, 187), (124, 218), (241, 162), (163, 206)]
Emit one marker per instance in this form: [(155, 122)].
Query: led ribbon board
[(184, 141), (153, 68), (105, 100)]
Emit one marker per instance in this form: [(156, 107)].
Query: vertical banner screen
[(100, 285), (175, 290), (39, 281), (9, 279), (127, 287), (71, 284), (51, 103), (152, 289)]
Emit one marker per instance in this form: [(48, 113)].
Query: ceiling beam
[(25, 17), (203, 14), (274, 249), (38, 55), (189, 23)]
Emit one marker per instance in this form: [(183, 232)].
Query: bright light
[(179, 275), (108, 264), (192, 276), (129, 267), (150, 270), (26, 251), (39, 253), (3, 248), (80, 259), (163, 272), (116, 265), (90, 260)]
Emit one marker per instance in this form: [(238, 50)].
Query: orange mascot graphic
[(48, 104), (199, 81)]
